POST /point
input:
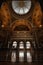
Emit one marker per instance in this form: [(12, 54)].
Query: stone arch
[(20, 22)]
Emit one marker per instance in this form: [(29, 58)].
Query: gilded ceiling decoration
[(37, 15), (20, 22), (11, 10), (5, 15)]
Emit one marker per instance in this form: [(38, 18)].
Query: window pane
[(21, 56), (28, 45), (21, 45), (14, 44), (29, 57), (13, 57), (20, 7)]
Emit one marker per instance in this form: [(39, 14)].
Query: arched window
[(21, 7)]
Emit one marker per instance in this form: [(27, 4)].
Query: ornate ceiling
[(9, 17)]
